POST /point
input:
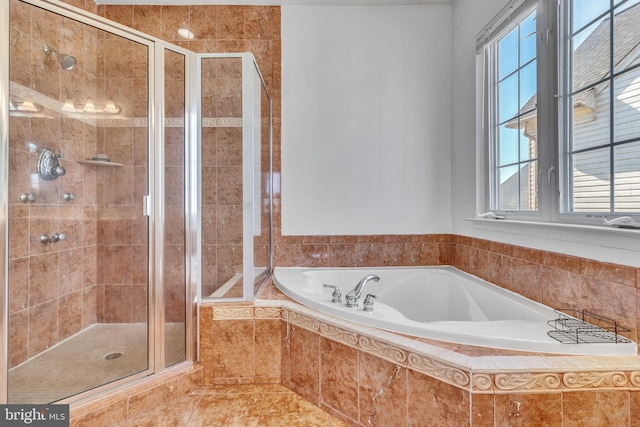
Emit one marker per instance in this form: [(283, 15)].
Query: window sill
[(597, 237)]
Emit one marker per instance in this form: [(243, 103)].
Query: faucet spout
[(353, 296)]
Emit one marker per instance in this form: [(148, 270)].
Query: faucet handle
[(368, 302), (336, 295)]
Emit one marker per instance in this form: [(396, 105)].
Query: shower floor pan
[(98, 355)]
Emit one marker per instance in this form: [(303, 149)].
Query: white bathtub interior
[(441, 303)]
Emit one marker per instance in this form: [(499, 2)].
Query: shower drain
[(112, 356)]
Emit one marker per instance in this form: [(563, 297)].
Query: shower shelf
[(99, 163)]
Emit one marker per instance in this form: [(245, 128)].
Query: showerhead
[(67, 62)]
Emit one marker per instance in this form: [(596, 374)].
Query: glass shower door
[(175, 245), (235, 143), (78, 237)]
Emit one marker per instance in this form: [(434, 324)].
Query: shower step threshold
[(222, 290)]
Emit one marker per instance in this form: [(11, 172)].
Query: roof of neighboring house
[(591, 58)]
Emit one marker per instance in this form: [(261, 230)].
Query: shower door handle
[(146, 205)]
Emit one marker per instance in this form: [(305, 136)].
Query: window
[(514, 124), (601, 106), (562, 101)]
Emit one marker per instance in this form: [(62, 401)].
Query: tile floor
[(269, 405)]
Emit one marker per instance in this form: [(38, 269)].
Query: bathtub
[(441, 303)]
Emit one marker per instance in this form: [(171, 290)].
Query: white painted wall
[(366, 120), (362, 155)]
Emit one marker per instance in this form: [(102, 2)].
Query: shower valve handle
[(55, 237)]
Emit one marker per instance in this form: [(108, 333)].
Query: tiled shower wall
[(58, 289), (221, 171), (219, 29), (122, 228), (53, 287)]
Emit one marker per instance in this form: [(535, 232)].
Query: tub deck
[(475, 313)]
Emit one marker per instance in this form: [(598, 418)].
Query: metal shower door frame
[(152, 205)]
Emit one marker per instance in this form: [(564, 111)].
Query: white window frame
[(553, 70), (507, 20), (565, 108)]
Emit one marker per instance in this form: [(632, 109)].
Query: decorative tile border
[(439, 370), (586, 380), (475, 382), (232, 313), (23, 92), (481, 382), (302, 321), (634, 378), (383, 350), (338, 334), (267, 312), (527, 382)]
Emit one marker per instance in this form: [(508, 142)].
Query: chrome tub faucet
[(353, 296)]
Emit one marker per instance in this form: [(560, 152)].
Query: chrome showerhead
[(67, 62)]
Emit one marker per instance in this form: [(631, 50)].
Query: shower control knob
[(55, 237), (58, 171), (27, 197), (68, 196)]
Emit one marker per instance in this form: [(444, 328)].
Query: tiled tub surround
[(556, 280), (369, 377)]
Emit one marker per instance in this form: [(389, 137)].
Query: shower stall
[(135, 180)]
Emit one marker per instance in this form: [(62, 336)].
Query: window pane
[(591, 181), (508, 54), (528, 86), (508, 98), (585, 11), (625, 36), (626, 113), (528, 139), (591, 54), (508, 143), (508, 189), (529, 187), (528, 39), (627, 177), (515, 128), (590, 119)]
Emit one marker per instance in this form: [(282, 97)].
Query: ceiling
[(281, 2)]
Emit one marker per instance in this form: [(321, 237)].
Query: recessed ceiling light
[(184, 33)]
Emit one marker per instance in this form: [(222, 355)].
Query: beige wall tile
[(596, 408), (528, 409), (339, 377), (434, 403), (304, 363), (382, 392)]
